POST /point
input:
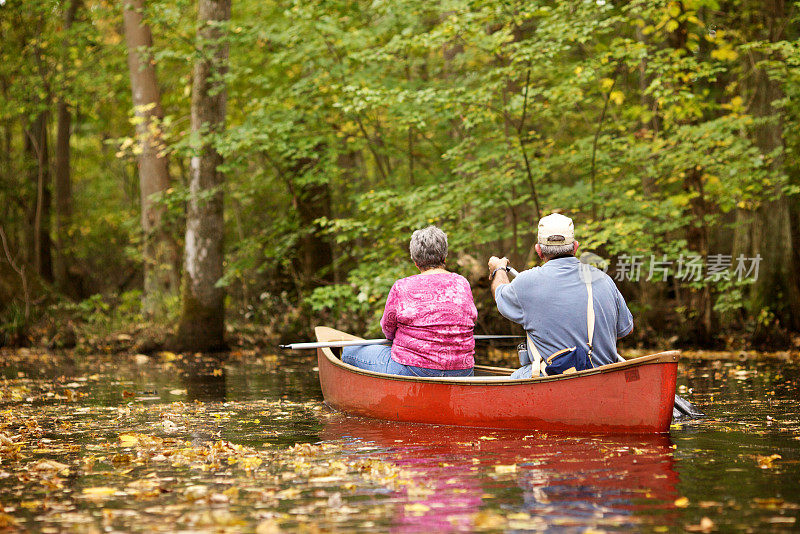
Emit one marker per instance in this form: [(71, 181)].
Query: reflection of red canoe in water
[(633, 397), (624, 479)]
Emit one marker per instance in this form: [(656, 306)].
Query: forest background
[(192, 173)]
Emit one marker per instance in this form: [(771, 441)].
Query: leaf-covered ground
[(173, 444)]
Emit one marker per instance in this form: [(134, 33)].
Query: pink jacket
[(431, 318)]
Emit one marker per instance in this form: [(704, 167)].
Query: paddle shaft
[(360, 342)]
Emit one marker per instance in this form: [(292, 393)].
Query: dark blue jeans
[(378, 358)]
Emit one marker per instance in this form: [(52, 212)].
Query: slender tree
[(160, 251), (36, 144), (202, 325), (62, 179)]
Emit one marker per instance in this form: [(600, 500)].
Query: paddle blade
[(684, 409)]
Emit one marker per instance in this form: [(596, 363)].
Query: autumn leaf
[(765, 462), (99, 492), (706, 525), (505, 468), (681, 502)]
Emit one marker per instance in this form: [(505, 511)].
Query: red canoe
[(633, 397)]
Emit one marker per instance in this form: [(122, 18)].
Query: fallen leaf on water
[(48, 465), (289, 493), (706, 525), (488, 520), (765, 462), (6, 521), (129, 440), (682, 502), (782, 520), (268, 526), (335, 500), (99, 492), (769, 502), (505, 468), (194, 493), (169, 426), (417, 508), (167, 356)]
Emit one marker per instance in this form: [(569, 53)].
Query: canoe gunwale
[(324, 334)]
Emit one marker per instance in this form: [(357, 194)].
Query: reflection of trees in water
[(259, 378), (455, 473), (204, 381)]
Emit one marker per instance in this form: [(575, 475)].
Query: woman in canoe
[(429, 317)]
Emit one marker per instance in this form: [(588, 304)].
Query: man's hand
[(500, 277), (497, 263)]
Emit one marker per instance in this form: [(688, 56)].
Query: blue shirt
[(550, 304)]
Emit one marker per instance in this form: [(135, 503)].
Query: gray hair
[(557, 251), (428, 247)]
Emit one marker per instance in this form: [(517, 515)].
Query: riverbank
[(147, 342)]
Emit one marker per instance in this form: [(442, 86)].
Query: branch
[(19, 271), (520, 128), (597, 137)]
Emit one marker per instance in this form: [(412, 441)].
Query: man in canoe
[(429, 317), (572, 313)]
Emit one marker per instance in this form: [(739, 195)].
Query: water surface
[(173, 443)]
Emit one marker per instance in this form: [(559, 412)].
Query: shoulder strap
[(587, 279), (537, 362)]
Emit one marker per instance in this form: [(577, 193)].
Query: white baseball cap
[(556, 229)]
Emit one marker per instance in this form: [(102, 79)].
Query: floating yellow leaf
[(289, 493), (706, 525), (268, 526), (682, 502), (417, 508), (769, 502), (168, 356), (49, 465), (489, 520), (129, 440), (765, 462), (99, 492), (505, 468)]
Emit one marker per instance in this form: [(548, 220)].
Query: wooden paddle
[(359, 342)]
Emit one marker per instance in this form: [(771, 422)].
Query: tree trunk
[(696, 234), (202, 325), (39, 165), (772, 231), (63, 186), (312, 201), (160, 252)]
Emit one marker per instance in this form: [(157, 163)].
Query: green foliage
[(13, 324), (354, 123)]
